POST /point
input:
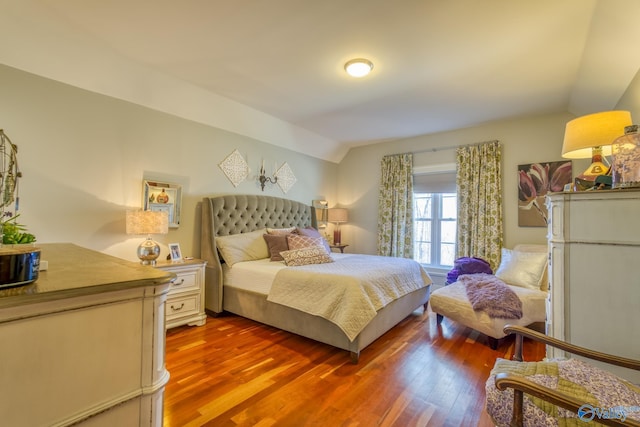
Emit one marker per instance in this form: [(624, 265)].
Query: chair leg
[(493, 343), (439, 318)]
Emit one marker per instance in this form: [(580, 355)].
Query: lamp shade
[(147, 222), (593, 130), (338, 215)]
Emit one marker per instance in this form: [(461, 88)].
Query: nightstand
[(340, 246), (185, 300)]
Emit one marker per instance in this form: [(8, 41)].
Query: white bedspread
[(349, 291)]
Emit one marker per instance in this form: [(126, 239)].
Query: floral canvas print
[(535, 180)]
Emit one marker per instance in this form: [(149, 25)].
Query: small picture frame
[(176, 253)]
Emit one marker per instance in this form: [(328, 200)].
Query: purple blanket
[(491, 295)]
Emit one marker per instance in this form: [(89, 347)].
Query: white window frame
[(436, 220)]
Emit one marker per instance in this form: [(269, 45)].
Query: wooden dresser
[(85, 343), (594, 266)]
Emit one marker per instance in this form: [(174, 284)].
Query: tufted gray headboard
[(233, 214)]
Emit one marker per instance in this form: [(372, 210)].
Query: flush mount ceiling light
[(358, 67)]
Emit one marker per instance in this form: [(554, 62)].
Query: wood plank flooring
[(236, 372)]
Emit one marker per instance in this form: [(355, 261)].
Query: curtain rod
[(443, 148)]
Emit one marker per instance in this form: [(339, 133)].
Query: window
[(434, 233)]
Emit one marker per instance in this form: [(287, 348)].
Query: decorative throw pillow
[(306, 256), (276, 244), (524, 269), (280, 231), (312, 232), (242, 247), (297, 242)]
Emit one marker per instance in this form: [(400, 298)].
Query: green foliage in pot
[(14, 233)]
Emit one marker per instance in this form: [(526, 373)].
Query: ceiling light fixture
[(358, 67)]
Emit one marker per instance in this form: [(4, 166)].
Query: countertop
[(76, 271)]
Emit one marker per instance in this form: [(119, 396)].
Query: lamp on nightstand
[(147, 222), (337, 216)]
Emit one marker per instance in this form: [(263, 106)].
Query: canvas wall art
[(535, 180)]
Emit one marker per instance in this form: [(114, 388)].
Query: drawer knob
[(177, 309)]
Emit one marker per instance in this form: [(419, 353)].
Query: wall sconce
[(148, 222), (338, 216), (263, 179)]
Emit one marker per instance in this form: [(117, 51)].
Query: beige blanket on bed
[(349, 291)]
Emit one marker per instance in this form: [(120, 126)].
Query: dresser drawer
[(185, 281), (181, 306)]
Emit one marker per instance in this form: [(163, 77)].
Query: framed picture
[(163, 196), (535, 180), (176, 253), (322, 209)]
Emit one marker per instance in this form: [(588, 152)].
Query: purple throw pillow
[(312, 232)]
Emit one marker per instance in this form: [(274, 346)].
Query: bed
[(232, 215)]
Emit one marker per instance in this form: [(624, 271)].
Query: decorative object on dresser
[(18, 265), (175, 254), (338, 216), (594, 248), (185, 300), (163, 197), (626, 159), (147, 222), (591, 136)]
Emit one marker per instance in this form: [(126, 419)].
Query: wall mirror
[(322, 212), (163, 196)]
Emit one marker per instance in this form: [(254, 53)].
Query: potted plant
[(19, 259), (14, 233)]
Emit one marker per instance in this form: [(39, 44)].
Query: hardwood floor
[(236, 372)]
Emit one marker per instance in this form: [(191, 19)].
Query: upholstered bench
[(524, 270)]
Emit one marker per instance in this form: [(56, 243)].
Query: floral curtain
[(479, 191), (395, 209)]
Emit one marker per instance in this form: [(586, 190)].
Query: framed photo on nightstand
[(176, 253)]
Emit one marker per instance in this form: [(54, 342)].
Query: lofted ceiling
[(273, 70)]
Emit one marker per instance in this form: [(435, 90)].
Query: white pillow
[(243, 247), (524, 269), (280, 231)]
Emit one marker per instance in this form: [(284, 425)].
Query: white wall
[(84, 155), (528, 140)]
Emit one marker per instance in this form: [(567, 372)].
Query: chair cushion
[(452, 302), (599, 388)]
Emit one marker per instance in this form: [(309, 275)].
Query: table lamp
[(147, 222), (337, 216), (592, 136)]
